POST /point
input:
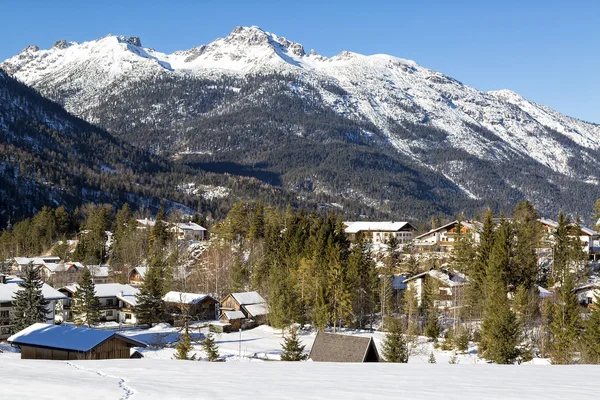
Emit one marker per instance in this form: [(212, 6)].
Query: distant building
[(67, 342), (251, 304), (8, 289), (588, 294), (448, 285), (136, 276), (380, 232), (444, 238), (197, 306), (589, 238), (117, 302), (331, 347), (188, 231)]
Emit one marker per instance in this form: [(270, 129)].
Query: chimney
[(121, 293)]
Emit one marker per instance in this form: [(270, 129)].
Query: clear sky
[(546, 50)]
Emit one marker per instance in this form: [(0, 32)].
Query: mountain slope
[(309, 122)]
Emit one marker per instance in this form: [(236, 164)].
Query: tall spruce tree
[(528, 233), (566, 324), (30, 306), (159, 235), (500, 331), (477, 271), (150, 307), (592, 336), (394, 347), (86, 306)]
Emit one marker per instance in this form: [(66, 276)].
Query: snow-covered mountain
[(247, 97)]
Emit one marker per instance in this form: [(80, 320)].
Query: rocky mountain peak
[(133, 40), (60, 44)]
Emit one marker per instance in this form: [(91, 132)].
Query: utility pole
[(240, 345)]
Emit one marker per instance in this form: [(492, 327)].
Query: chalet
[(588, 294), (117, 302), (144, 223), (136, 276), (198, 306), (9, 288), (19, 263), (448, 286), (233, 320), (381, 231), (331, 347), (251, 304), (443, 239), (67, 342), (589, 238), (188, 231)]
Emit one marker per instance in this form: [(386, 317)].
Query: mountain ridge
[(189, 102)]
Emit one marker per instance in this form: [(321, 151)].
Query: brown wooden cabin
[(136, 276), (235, 319), (197, 306), (332, 347), (67, 342)]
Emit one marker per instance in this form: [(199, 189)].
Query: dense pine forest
[(311, 273)]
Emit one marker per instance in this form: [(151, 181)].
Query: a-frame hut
[(331, 347)]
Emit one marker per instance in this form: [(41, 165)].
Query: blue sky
[(548, 51)]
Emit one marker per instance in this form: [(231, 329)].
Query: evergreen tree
[(86, 306), (476, 290), (30, 306), (565, 323), (159, 235), (501, 257), (210, 348), (150, 307), (184, 345), (432, 327), (257, 225), (592, 336), (394, 347), (239, 276), (528, 233), (293, 350), (500, 331), (431, 359)]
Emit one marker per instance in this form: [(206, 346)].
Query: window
[(5, 304), (4, 314), (109, 302), (128, 316), (590, 300), (109, 313)]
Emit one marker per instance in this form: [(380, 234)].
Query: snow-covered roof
[(449, 278), (245, 298), (99, 271), (554, 224), (108, 289), (141, 271), (189, 226), (9, 289), (36, 260), (130, 299), (185, 298), (544, 293), (375, 226), (233, 315), (256, 310), (146, 222), (66, 337), (468, 224)]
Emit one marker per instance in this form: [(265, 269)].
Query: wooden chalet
[(197, 306), (332, 347), (136, 276), (443, 239), (67, 342), (251, 304)]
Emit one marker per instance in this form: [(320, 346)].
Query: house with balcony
[(380, 231), (444, 238), (9, 286), (117, 302)]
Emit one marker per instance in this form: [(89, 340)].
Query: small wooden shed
[(198, 306), (331, 347), (235, 319), (67, 342)]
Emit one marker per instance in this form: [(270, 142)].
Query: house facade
[(136, 276), (380, 231), (590, 239), (9, 288), (447, 284), (444, 238), (117, 302), (197, 306), (251, 304), (188, 231)]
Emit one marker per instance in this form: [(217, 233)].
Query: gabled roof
[(376, 226), (245, 298), (99, 271), (331, 347), (141, 271), (554, 224), (107, 289), (66, 337), (9, 290), (189, 226), (36, 260), (449, 278), (233, 315), (467, 224), (185, 298), (256, 310)]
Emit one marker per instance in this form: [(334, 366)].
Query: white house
[(448, 285), (117, 302), (9, 288), (20, 263), (188, 231), (589, 237), (588, 294), (381, 231)]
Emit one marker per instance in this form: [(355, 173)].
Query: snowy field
[(170, 379)]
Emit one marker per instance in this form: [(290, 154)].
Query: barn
[(331, 347), (67, 342)]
